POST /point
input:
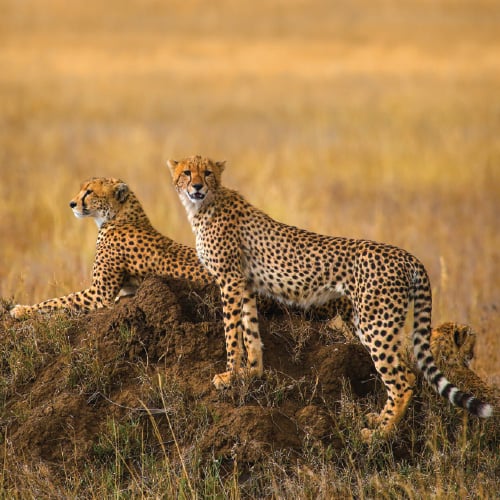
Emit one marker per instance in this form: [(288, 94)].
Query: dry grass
[(368, 119)]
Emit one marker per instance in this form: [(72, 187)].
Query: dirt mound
[(149, 361)]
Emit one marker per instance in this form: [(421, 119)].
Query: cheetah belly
[(300, 288)]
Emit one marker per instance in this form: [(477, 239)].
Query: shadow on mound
[(148, 363)]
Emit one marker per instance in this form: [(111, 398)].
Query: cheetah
[(452, 344), (248, 252), (128, 249)]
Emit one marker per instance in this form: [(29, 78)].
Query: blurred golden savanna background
[(370, 119)]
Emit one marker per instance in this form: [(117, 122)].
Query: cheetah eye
[(207, 173), (89, 191), (187, 172)]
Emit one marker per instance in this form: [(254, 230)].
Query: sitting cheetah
[(128, 249), (248, 252)]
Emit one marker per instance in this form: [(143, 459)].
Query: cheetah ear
[(121, 192), (221, 165), (172, 165)]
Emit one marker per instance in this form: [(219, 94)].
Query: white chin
[(196, 199), (78, 215)]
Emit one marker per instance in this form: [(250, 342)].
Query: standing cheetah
[(248, 252), (128, 249)]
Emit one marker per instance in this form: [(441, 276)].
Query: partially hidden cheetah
[(128, 249), (452, 345), (248, 252)]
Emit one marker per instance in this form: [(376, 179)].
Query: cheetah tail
[(425, 359)]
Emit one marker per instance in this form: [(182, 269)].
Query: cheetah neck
[(130, 211), (99, 221)]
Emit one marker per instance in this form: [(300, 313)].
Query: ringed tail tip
[(485, 410)]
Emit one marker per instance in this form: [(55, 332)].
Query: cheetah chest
[(211, 250)]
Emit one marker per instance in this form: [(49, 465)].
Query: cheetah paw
[(367, 435), (19, 311), (223, 380), (372, 419)]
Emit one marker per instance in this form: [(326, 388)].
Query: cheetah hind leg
[(399, 381)]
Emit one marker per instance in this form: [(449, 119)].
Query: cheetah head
[(453, 343), (100, 198), (196, 178)]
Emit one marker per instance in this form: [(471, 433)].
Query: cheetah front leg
[(106, 284), (251, 335), (236, 301), (84, 300)]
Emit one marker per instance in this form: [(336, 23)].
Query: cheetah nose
[(197, 186), (72, 204)]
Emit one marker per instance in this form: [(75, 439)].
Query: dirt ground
[(139, 375), (159, 351)]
